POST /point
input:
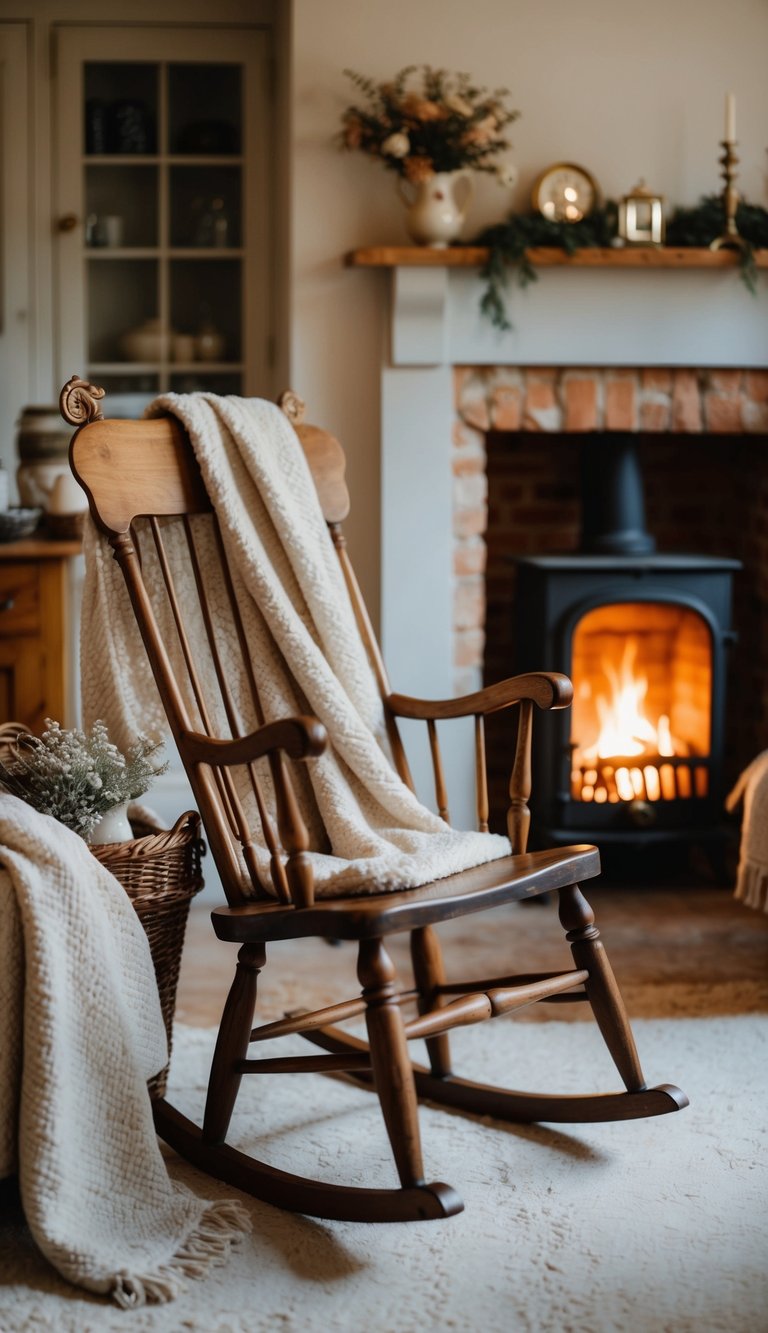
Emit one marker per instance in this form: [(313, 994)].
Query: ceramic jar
[(42, 442), (149, 342), (209, 343), (436, 208)]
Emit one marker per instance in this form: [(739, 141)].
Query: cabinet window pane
[(205, 109), (121, 104)]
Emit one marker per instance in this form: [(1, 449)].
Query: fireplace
[(644, 638), (677, 357)]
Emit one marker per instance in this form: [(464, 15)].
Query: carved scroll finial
[(79, 402), (293, 406)]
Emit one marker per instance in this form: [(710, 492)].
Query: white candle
[(730, 118)]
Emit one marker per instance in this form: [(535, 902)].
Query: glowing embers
[(642, 674)]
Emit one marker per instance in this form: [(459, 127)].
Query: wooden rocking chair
[(133, 469)]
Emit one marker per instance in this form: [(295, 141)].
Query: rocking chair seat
[(507, 880)]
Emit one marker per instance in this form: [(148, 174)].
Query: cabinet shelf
[(158, 159), (175, 367), (106, 252)]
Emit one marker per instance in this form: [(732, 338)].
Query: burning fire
[(605, 771)]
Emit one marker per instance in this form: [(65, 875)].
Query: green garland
[(508, 242)]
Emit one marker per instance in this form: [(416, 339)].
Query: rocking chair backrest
[(135, 474)]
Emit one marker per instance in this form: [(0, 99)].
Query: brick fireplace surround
[(516, 491)]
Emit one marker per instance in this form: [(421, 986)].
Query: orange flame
[(627, 733)]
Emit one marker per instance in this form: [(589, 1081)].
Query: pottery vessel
[(436, 208)]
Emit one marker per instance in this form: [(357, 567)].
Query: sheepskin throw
[(303, 639), (752, 873), (80, 1033)]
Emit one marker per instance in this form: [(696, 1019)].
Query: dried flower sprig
[(447, 124), (76, 776)]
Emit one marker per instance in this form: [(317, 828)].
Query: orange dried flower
[(418, 169), (421, 108), (353, 132)]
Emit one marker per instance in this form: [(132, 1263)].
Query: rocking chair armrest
[(298, 737), (547, 689)]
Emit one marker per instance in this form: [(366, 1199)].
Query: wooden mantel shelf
[(474, 256)]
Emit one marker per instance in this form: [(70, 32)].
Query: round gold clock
[(565, 192)]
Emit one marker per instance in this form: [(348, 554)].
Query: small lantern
[(641, 217)]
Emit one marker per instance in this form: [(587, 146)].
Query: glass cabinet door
[(162, 211)]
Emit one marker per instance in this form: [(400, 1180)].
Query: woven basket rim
[(185, 830)]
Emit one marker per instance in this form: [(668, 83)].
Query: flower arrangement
[(443, 125), (76, 776)]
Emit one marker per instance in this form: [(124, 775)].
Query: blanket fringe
[(209, 1243), (752, 885)]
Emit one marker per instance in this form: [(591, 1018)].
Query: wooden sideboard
[(34, 629)]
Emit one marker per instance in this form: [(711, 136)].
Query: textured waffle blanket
[(303, 638), (80, 1033), (752, 874)]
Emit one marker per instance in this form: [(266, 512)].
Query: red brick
[(535, 516), (465, 464), (464, 437), (470, 522), (654, 377), (620, 409), (580, 404), (686, 402), (506, 407), (726, 382), (722, 415), (655, 416), (542, 411), (469, 603), (468, 647), (470, 490), (754, 417), (756, 385), (475, 412), (470, 557)]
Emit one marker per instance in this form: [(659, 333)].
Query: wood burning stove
[(644, 638)]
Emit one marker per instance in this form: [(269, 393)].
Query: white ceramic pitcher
[(434, 211)]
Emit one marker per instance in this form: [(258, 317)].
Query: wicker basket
[(160, 872)]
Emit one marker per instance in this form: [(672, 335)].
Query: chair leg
[(232, 1043), (578, 920), (428, 972), (390, 1062)]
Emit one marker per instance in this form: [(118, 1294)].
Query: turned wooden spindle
[(390, 1060), (519, 815), (578, 920)]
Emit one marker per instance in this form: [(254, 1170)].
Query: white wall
[(626, 90)]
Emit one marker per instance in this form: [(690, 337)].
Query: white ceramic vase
[(114, 826), (436, 208)]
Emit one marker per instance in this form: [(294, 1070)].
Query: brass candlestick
[(730, 239)]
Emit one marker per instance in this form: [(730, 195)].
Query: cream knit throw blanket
[(304, 642), (752, 874), (80, 1033)]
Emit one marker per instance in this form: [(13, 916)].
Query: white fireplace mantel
[(598, 314), (581, 316)]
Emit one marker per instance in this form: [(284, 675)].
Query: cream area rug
[(655, 1226)]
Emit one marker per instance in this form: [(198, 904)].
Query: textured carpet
[(654, 1226)]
